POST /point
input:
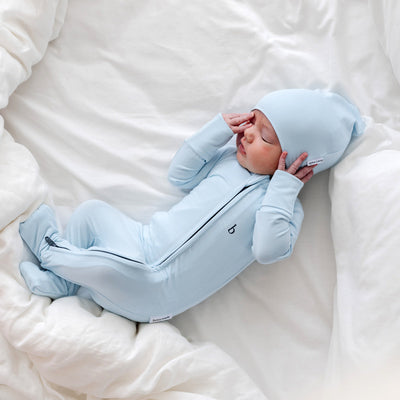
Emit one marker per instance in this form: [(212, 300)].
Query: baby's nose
[(249, 135)]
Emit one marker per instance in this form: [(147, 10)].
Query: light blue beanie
[(319, 122)]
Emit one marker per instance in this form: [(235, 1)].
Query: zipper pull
[(52, 243)]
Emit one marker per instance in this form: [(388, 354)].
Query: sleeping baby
[(241, 205)]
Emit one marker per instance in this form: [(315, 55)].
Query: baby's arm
[(199, 153), (279, 219)]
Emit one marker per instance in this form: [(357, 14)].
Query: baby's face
[(258, 148)]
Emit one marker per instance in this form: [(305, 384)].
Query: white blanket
[(118, 87), (70, 348)]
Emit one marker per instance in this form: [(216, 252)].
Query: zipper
[(250, 184), (215, 214), (52, 243), (116, 255)]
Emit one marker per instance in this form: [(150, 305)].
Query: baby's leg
[(97, 224), (99, 228)]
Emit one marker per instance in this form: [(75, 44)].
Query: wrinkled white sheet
[(386, 15), (102, 114)]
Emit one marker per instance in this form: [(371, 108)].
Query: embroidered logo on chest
[(231, 230)]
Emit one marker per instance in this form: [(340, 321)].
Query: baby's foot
[(41, 224), (40, 232), (46, 283)]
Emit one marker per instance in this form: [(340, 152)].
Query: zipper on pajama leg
[(52, 243), (112, 255)]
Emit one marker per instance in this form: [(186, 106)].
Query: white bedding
[(119, 86)]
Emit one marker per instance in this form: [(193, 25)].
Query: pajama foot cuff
[(41, 224), (45, 283)]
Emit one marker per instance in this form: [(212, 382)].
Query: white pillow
[(365, 194)]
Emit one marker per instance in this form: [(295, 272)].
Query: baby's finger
[(232, 115), (307, 176), (238, 119), (296, 163), (282, 161), (241, 128), (303, 172)]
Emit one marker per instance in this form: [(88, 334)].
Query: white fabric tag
[(315, 162), (159, 319)]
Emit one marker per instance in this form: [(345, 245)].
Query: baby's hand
[(304, 173), (238, 122)]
